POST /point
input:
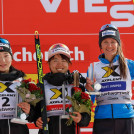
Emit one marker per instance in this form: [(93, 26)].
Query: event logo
[(108, 32), (5, 87), (121, 11), (110, 71), (57, 93), (4, 45)]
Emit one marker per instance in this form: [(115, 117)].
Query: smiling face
[(109, 47), (58, 64), (5, 62)]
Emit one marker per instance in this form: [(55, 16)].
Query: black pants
[(53, 126), (13, 128), (114, 126)]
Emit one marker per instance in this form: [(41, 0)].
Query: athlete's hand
[(25, 107), (77, 117), (89, 84), (39, 122)]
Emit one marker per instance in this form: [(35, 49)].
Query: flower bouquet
[(29, 92), (81, 102)]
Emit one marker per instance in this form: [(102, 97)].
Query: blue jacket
[(115, 110)]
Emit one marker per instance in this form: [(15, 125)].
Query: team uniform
[(54, 103), (8, 102), (115, 100), (58, 84)]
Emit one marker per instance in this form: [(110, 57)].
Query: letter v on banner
[(50, 7), (41, 82)]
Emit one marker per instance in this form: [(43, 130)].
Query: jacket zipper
[(112, 110), (127, 106)]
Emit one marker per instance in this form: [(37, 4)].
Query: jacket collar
[(105, 61)]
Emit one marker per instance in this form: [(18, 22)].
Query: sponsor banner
[(109, 86), (84, 50), (57, 107), (70, 16), (81, 47), (75, 23)]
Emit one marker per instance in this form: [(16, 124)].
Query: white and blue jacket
[(115, 100)]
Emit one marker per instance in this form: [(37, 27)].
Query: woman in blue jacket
[(114, 112)]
